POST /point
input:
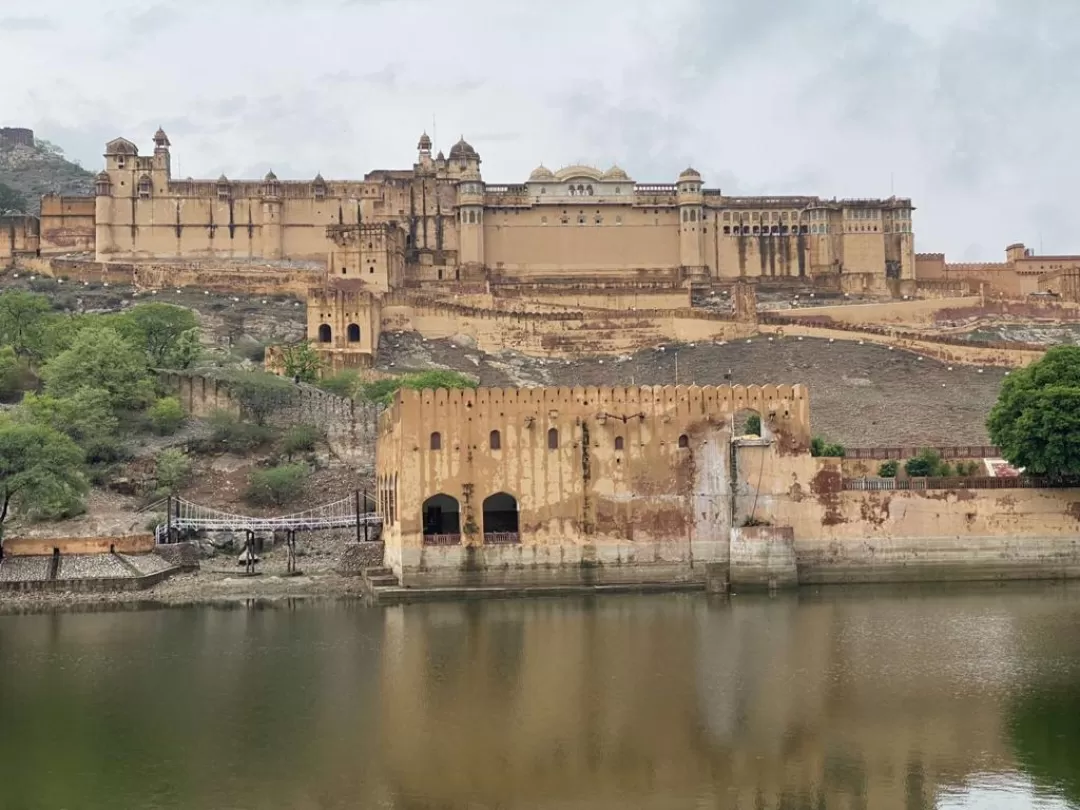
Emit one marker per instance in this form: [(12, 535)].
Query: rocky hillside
[(37, 170)]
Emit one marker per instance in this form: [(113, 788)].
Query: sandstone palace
[(439, 220)]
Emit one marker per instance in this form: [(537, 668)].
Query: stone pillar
[(763, 557)]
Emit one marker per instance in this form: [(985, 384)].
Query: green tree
[(102, 358), (12, 200), (277, 486), (166, 415), (86, 416), (14, 375), (163, 331), (24, 318), (300, 439), (753, 425), (1036, 421), (38, 466), (301, 361), (172, 469)]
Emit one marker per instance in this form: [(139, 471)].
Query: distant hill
[(39, 169)]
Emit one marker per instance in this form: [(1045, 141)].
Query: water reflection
[(847, 698)]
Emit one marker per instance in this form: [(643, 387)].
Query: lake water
[(962, 697)]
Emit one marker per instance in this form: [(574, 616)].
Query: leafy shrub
[(383, 390), (927, 464), (344, 383), (229, 432), (277, 485), (172, 468), (166, 415), (300, 438), (820, 447), (753, 425), (967, 469), (105, 450), (888, 469)]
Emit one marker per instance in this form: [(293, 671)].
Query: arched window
[(472, 217), (684, 441), (325, 333), (727, 229), (501, 519), (436, 441), (618, 443), (441, 518), (495, 440), (553, 439), (353, 333)]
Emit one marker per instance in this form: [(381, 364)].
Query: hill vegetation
[(26, 173)]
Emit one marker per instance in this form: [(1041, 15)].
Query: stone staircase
[(380, 579)]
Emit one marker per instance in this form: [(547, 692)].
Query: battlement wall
[(785, 409), (350, 426)]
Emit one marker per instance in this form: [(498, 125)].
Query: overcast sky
[(970, 107)]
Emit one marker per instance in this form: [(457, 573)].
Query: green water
[(846, 698)]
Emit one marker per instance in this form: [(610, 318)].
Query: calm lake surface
[(961, 697)]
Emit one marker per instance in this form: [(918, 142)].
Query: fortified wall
[(663, 485), (1023, 272), (439, 220), (18, 238), (350, 426), (16, 136), (550, 485)]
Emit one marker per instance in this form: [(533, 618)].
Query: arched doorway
[(441, 520), (352, 333), (501, 519), (325, 333)]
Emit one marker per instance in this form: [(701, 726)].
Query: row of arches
[(326, 334), (441, 519)]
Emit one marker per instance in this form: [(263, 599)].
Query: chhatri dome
[(425, 143), (690, 173), (462, 149), (542, 174), (616, 173)]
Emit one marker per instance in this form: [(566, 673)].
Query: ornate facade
[(440, 221)]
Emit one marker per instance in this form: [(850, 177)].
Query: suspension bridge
[(184, 515)]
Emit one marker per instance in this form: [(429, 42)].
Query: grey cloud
[(154, 19), (12, 25)]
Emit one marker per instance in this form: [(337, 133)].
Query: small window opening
[(436, 441), (495, 441), (684, 441), (618, 442), (553, 439)]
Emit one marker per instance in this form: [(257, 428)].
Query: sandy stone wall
[(623, 482), (218, 277), (67, 224), (18, 237), (43, 546)]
